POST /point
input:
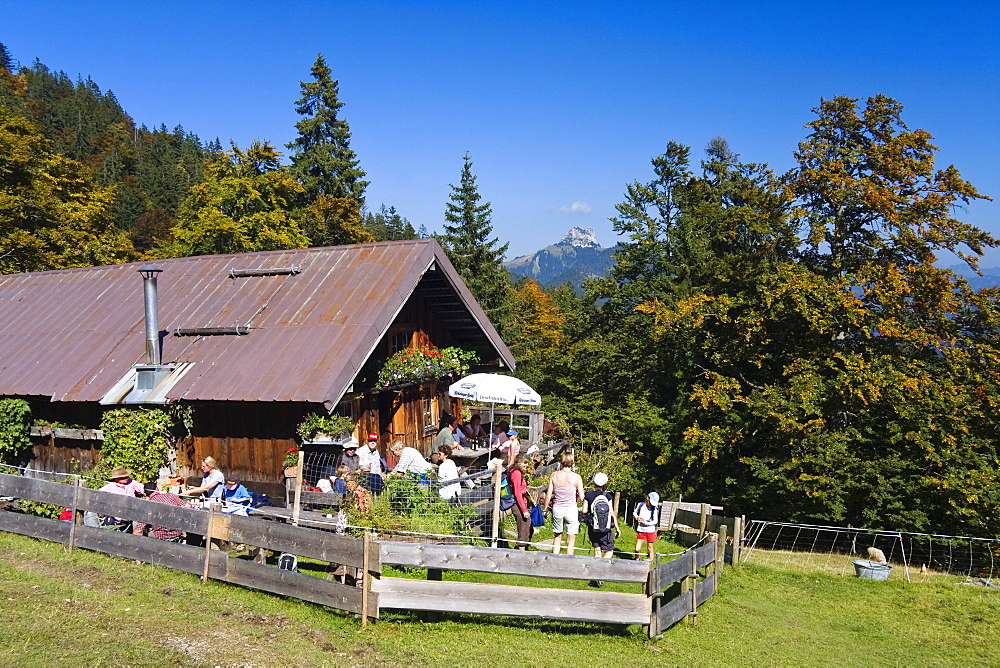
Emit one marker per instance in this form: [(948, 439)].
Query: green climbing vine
[(136, 438), (15, 422)]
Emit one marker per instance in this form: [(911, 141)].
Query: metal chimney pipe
[(152, 317)]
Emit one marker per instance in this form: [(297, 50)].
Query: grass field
[(93, 609)]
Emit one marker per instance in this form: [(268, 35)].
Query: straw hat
[(120, 472)]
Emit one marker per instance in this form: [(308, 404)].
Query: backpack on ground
[(600, 514)]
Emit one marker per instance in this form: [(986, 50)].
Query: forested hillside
[(84, 183), (784, 344)]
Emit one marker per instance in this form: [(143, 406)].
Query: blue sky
[(559, 104)]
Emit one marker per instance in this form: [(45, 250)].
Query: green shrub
[(136, 438), (15, 423)]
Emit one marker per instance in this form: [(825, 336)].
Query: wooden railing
[(204, 561), (658, 606)]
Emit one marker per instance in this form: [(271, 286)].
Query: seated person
[(161, 533), (349, 456), (473, 429), (410, 460), (340, 482), (500, 430), (234, 492)]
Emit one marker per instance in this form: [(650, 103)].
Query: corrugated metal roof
[(72, 334)]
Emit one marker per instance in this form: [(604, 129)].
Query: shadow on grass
[(509, 622)]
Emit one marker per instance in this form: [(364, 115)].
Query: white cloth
[(324, 485), (448, 470), (411, 461)]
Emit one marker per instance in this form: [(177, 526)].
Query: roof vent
[(279, 271)]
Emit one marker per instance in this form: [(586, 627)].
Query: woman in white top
[(212, 481), (564, 494), (447, 470)]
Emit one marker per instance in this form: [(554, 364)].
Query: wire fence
[(914, 556)]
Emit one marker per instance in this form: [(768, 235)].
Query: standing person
[(212, 480), (602, 523), (447, 470), (647, 517), (519, 488), (512, 448), (370, 461), (564, 492)]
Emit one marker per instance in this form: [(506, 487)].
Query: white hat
[(352, 442), (600, 479), (653, 497)]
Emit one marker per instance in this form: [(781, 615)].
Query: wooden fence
[(692, 521), (660, 604), (204, 561)]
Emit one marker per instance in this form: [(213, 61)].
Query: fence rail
[(696, 570)]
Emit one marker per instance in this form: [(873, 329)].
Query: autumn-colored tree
[(52, 215), (535, 334), (334, 221), (242, 206), (847, 378)]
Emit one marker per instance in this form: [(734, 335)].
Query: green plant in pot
[(317, 427)]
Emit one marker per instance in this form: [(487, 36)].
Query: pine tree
[(477, 257), (322, 158)]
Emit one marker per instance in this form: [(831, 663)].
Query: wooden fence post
[(720, 551), (495, 528), (297, 504), (704, 520), (737, 533), (76, 504), (366, 585), (208, 542)]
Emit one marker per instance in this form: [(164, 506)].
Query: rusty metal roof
[(72, 334)]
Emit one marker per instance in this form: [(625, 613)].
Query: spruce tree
[(477, 257), (322, 158)]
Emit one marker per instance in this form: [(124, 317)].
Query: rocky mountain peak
[(581, 238)]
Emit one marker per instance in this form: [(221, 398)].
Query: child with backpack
[(602, 525)]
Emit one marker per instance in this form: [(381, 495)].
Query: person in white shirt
[(370, 460), (410, 460), (447, 470)]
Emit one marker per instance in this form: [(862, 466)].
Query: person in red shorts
[(647, 517)]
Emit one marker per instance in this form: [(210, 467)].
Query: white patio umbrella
[(494, 389)]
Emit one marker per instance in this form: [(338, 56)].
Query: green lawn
[(90, 608)]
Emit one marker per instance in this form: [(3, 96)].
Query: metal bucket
[(872, 570)]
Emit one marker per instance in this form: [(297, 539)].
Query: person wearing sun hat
[(123, 485), (349, 457), (602, 525), (647, 518)]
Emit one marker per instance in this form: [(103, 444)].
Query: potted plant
[(291, 462), (415, 365), (319, 427)]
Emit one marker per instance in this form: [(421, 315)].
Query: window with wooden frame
[(428, 409), (400, 341)]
